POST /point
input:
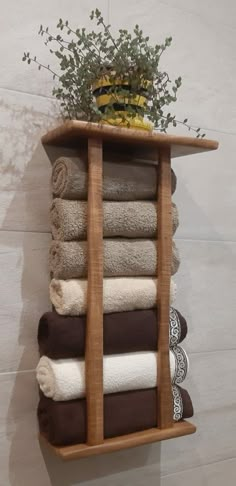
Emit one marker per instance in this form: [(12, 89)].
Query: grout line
[(3, 373), (210, 351), (5, 230), (203, 240), (198, 467), (11, 90), (24, 231)]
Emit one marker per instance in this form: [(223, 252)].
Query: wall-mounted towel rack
[(162, 147)]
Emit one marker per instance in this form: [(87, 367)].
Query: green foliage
[(85, 57)]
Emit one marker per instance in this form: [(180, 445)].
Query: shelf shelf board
[(123, 442), (73, 132)]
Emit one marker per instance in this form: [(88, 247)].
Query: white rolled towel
[(69, 297), (64, 379)]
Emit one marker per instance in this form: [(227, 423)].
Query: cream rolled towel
[(69, 297), (64, 379), (122, 257), (132, 219), (124, 179)]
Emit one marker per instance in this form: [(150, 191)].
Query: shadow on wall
[(27, 213), (118, 468)]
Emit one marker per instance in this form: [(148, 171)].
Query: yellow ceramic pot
[(105, 97)]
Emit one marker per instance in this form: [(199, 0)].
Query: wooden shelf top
[(73, 132), (123, 442)]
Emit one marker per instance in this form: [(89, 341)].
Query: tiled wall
[(204, 53)]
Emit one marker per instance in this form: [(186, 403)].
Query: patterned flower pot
[(119, 104)]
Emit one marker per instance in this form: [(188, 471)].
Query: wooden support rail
[(164, 247), (94, 325)]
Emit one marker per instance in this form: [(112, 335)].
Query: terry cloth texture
[(69, 297), (64, 379), (132, 219), (123, 180), (65, 423), (121, 257), (61, 337)]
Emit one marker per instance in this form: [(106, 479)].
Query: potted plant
[(115, 80)]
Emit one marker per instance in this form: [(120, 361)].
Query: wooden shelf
[(123, 442), (73, 132), (94, 137)]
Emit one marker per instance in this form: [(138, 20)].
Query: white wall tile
[(24, 297), (205, 193), (215, 474), (203, 54), (25, 168), (21, 462), (206, 283), (19, 25)]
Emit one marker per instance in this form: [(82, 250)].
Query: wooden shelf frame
[(96, 135)]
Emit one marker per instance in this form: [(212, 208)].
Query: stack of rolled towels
[(130, 290)]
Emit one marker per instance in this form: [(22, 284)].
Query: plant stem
[(45, 67)]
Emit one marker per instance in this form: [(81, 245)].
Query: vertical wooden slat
[(94, 325), (164, 247)]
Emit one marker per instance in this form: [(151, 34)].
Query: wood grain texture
[(73, 131), (164, 248), (124, 441), (94, 327)]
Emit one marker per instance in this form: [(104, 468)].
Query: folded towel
[(122, 257), (124, 179), (132, 219), (64, 379), (69, 297), (64, 423), (123, 332)]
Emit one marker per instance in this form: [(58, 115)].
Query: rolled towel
[(69, 297), (64, 379), (122, 257), (132, 219), (123, 332), (65, 423), (123, 180)]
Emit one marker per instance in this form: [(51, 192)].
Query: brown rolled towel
[(123, 179), (64, 423), (122, 257), (132, 219), (62, 337)]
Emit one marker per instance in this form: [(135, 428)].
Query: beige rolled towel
[(122, 257), (69, 297), (124, 179), (132, 219)]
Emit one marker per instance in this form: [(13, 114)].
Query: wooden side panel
[(94, 329), (164, 246)]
